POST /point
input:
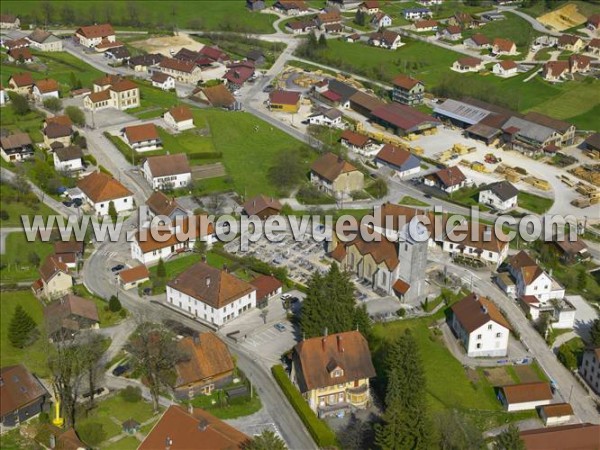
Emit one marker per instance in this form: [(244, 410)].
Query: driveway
[(3, 233)]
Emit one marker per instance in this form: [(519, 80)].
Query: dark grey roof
[(69, 153), (342, 89), (529, 130), (503, 190)]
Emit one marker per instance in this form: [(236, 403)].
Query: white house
[(163, 81), (501, 196), (381, 20), (142, 138), (416, 13), (328, 117), (590, 368), (167, 171), (159, 204), (531, 279), (556, 413), (44, 41), (212, 295), (449, 179), (476, 242), (525, 396), (480, 326), (93, 35), (180, 118), (68, 159), (388, 39), (505, 68), (359, 143), (44, 89), (468, 64), (403, 162), (131, 278), (100, 190)]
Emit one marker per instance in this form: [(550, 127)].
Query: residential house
[(468, 64), (284, 101), (262, 207), (159, 204), (255, 5), (267, 287), (57, 135), (525, 396), (215, 54), (335, 93), (68, 159), (12, 44), (3, 96), (217, 96), (22, 395), (344, 5), (21, 83), (180, 118), (330, 17), (167, 171), (331, 117), (20, 55), (527, 136), (68, 315), (481, 327), (451, 33), (502, 46), (352, 38), (256, 56), (369, 7), (476, 242), (207, 366), (118, 55), (335, 176), (301, 26), (142, 138), (9, 22), (184, 71), (16, 147), (590, 368), (143, 63), (565, 130), (44, 89), (403, 162), (332, 372), (571, 251), (132, 278), (464, 20), (381, 20), (333, 28), (181, 428), (93, 35), (430, 2), (448, 179), (501, 195), (359, 143), (291, 7), (556, 413), (210, 294), (113, 92), (69, 252), (591, 146), (570, 43), (416, 13), (387, 39), (107, 45), (100, 190), (408, 90), (426, 25), (505, 68), (578, 436), (555, 70), (55, 280), (593, 47), (238, 74), (162, 81), (593, 22), (403, 119), (478, 41)]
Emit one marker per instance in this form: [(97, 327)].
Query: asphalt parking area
[(272, 343)]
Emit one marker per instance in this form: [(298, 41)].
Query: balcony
[(335, 409)]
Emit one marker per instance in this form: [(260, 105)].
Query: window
[(498, 335), (478, 337), (478, 345), (490, 326)]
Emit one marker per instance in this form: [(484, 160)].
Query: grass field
[(34, 356), (411, 201), (534, 203), (30, 123), (126, 443), (222, 15), (16, 258), (15, 209), (107, 317), (178, 265), (513, 27)]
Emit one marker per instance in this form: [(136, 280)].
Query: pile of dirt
[(567, 16), (167, 44)]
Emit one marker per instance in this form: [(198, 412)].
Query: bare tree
[(47, 9), (155, 353), (94, 345), (133, 12)]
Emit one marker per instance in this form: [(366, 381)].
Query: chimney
[(202, 424), (475, 297), (52, 440), (325, 333), (323, 339), (339, 344), (207, 281), (168, 443)]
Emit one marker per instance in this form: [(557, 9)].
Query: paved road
[(534, 23)]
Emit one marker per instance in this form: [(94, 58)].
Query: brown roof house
[(266, 287), (501, 46), (403, 162), (162, 81), (571, 43), (167, 171), (408, 90), (468, 64), (212, 295), (20, 55), (130, 278), (284, 101), (181, 429), (480, 326), (142, 138), (476, 242), (262, 206), (218, 96), (44, 41), (332, 372), (359, 143), (16, 147), (113, 92), (160, 204), (21, 83), (207, 365), (93, 35), (45, 89), (57, 132), (179, 118), (22, 395), (556, 413), (69, 252), (582, 436), (184, 71), (449, 179), (68, 315), (571, 251), (336, 176), (9, 22), (100, 190), (55, 280), (525, 396)]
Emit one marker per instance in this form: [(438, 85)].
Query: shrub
[(114, 304), (321, 433), (92, 433), (131, 394), (53, 104), (4, 214)]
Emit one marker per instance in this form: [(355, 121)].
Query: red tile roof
[(100, 187), (331, 96), (401, 287), (141, 133), (503, 45), (393, 155), (51, 266), (284, 97), (18, 389), (450, 176), (208, 358), (508, 65), (178, 65), (330, 166), (527, 392), (403, 116), (123, 85), (165, 165), (66, 307), (265, 285), (22, 79), (181, 113), (20, 53), (99, 96), (480, 39), (134, 274), (426, 24), (582, 436), (256, 205), (96, 31), (358, 140), (470, 61), (405, 81), (474, 311)]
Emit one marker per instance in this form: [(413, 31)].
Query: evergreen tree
[(595, 333), (161, 270), (359, 18), (322, 41), (267, 440), (21, 328), (114, 304), (330, 304), (509, 439), (112, 211)]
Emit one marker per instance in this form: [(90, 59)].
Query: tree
[(354, 435), (53, 104), (582, 278), (114, 304), (92, 433), (112, 211), (457, 432), (4, 214), (330, 304), (322, 41), (34, 259), (131, 394), (48, 9), (93, 345), (287, 170), (154, 353), (379, 188), (509, 439), (21, 330), (595, 333), (566, 356), (161, 270), (18, 103), (76, 115), (67, 13), (267, 440), (359, 18)]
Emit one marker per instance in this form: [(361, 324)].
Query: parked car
[(121, 369), (67, 203), (118, 268), (280, 327), (77, 202)]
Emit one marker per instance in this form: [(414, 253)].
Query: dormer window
[(337, 373)]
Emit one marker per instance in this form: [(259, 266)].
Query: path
[(534, 22), (3, 233)]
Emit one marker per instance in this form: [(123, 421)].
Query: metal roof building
[(460, 112)]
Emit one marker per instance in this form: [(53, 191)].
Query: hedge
[(321, 433), (205, 155)]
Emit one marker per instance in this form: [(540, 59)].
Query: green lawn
[(15, 209), (239, 408), (189, 141), (222, 15), (181, 264), (534, 203), (513, 27), (411, 201), (543, 54), (30, 123), (34, 356), (126, 443), (16, 258), (107, 317)]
